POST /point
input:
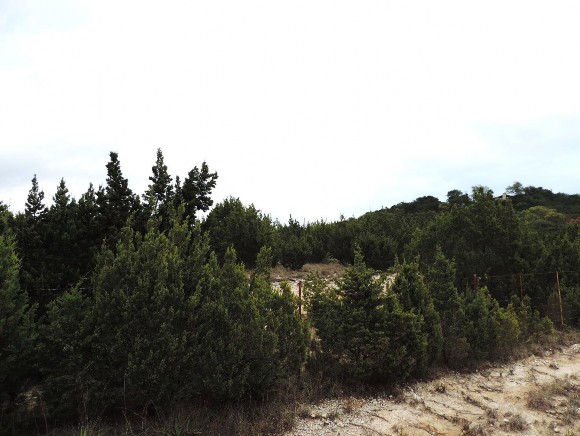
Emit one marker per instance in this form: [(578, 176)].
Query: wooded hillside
[(123, 301)]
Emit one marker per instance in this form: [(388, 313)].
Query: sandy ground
[(492, 401), (329, 271)]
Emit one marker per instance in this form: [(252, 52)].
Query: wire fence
[(555, 294)]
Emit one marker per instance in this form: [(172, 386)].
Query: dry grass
[(196, 420), (275, 414), (515, 423), (303, 411), (561, 397), (474, 430), (351, 405), (538, 399), (543, 397), (492, 413), (331, 270)]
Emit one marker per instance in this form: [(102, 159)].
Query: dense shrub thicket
[(370, 330), (363, 332), (164, 322), (126, 302)]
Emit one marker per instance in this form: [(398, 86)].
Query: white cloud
[(310, 108)]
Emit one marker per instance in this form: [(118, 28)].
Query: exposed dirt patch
[(331, 270), (328, 271), (538, 395)]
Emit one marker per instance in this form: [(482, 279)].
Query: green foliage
[(31, 232), (86, 222), (34, 206), (449, 306), (342, 241), (167, 323), (57, 246), (318, 234), (526, 197), (279, 312), (483, 325), (230, 223), (197, 189), (515, 189), (159, 197), (382, 235), (484, 237), (324, 310), (366, 333), (246, 337), (160, 189), (222, 328), (116, 202), (62, 245), (422, 204), (17, 327), (571, 299), (66, 362), (509, 332), (140, 313), (541, 219), (293, 247), (173, 314), (532, 325), (415, 297), (458, 198)]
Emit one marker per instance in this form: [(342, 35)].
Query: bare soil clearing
[(492, 401), (332, 270), (498, 400)]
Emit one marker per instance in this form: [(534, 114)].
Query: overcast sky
[(310, 108)]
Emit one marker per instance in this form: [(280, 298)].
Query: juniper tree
[(178, 197), (508, 332), (230, 223), (278, 313), (481, 311), (159, 197), (34, 206), (196, 190), (414, 296), (62, 242), (140, 315), (246, 336), (31, 236), (116, 201), (17, 327), (449, 306), (67, 365), (484, 237), (293, 247), (223, 327), (160, 187), (87, 221), (364, 331)]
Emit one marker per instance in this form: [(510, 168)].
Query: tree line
[(118, 300)]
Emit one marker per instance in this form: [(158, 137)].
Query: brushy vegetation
[(127, 314), (515, 423), (474, 430), (562, 395)]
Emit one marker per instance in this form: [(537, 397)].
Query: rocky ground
[(539, 395)]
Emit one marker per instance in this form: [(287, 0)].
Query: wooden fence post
[(299, 298), (521, 290), (560, 299), (475, 282)]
